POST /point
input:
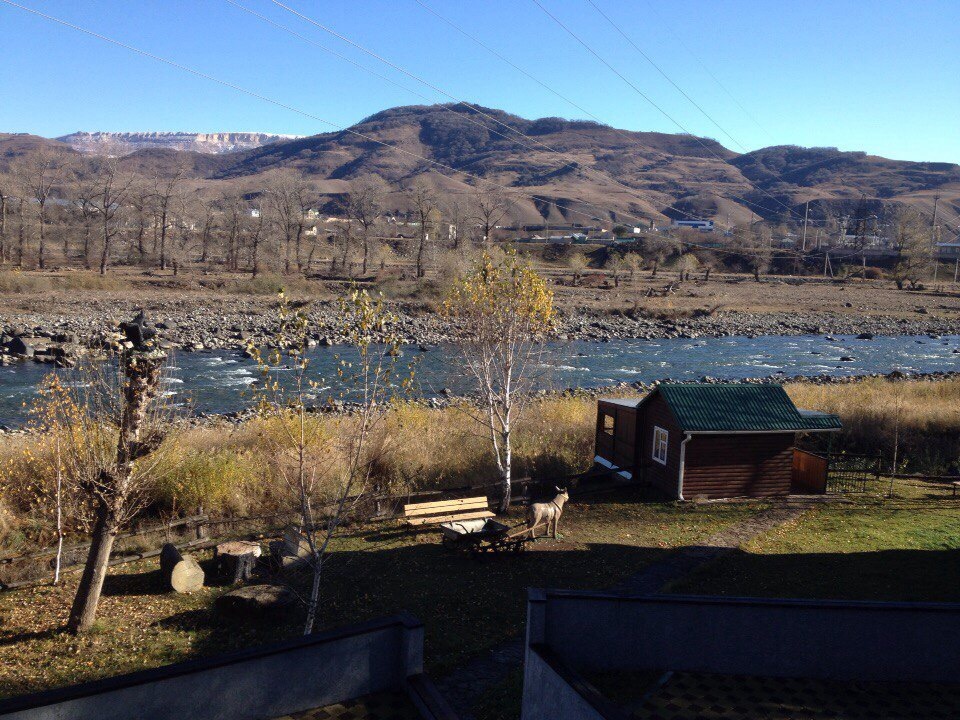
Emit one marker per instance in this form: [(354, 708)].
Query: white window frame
[(661, 444)]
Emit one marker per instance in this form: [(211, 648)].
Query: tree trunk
[(314, 600), (506, 482), (163, 241), (105, 254), (41, 250), (84, 610)]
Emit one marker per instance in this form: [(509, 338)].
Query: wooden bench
[(441, 511)]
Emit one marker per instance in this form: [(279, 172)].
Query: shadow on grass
[(134, 583), (467, 605), (891, 575)]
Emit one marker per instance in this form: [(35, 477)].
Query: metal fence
[(848, 473)]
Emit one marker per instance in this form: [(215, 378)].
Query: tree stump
[(181, 572), (237, 559)]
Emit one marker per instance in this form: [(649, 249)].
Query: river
[(220, 381)]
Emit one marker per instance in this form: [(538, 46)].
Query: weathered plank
[(428, 507), (450, 518), (448, 510)]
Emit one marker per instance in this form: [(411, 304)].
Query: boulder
[(255, 600), (19, 347)]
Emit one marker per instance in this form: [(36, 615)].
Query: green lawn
[(870, 548), (467, 605)]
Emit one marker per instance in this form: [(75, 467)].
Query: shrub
[(218, 480)]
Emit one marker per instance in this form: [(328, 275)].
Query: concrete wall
[(788, 638), (253, 684), (548, 693)]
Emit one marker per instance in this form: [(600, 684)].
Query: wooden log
[(181, 572)]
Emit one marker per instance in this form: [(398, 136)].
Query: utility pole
[(806, 213), (933, 238)]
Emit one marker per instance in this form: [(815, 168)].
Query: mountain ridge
[(559, 168)]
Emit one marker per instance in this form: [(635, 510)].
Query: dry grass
[(15, 282), (229, 471), (927, 413)]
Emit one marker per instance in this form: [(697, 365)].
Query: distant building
[(701, 225), (948, 250), (254, 212)]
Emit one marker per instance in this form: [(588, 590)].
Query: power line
[(664, 74), (293, 109), (703, 65), (475, 109), (642, 94)]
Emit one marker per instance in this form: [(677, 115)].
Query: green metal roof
[(740, 408)]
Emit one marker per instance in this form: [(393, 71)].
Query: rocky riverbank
[(58, 335)]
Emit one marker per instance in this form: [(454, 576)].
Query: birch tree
[(501, 313)]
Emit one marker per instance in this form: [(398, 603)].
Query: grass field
[(467, 605), (867, 548)]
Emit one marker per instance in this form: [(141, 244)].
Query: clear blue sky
[(878, 75)]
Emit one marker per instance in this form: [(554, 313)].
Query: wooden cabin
[(712, 440)]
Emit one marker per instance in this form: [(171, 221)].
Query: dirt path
[(466, 685)]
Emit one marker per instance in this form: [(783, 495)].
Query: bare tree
[(657, 248), (364, 205), (140, 199), (165, 197), (4, 208), (490, 207), (425, 212), (41, 174), (326, 472), (577, 262), (207, 217), (457, 213), (258, 232), (287, 196), (109, 203), (112, 453), (754, 244), (909, 237)]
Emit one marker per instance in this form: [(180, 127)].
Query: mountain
[(559, 170), (108, 143)]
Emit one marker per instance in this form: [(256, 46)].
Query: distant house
[(701, 225), (711, 440), (948, 250), (254, 212)]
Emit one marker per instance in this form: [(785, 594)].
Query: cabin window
[(661, 439), (608, 424)]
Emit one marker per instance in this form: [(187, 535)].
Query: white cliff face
[(124, 143)]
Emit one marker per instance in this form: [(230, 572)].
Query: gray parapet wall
[(304, 673), (749, 636)]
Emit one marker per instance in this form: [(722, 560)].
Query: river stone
[(19, 347), (255, 600)]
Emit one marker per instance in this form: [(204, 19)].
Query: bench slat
[(451, 518), (439, 503), (449, 510)]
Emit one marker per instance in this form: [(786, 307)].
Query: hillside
[(559, 169)]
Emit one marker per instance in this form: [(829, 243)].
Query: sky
[(881, 76)]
